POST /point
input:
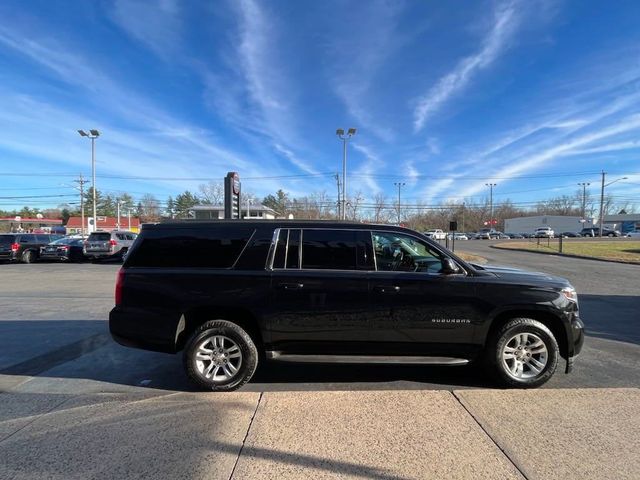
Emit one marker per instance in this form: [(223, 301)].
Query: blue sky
[(446, 96)]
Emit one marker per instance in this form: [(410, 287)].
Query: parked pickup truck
[(436, 234)]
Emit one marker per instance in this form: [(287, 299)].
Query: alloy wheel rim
[(525, 356), (218, 358)]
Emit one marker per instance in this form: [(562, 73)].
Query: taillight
[(15, 247), (64, 247), (119, 282), (113, 243)]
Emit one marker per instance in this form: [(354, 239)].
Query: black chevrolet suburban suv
[(229, 293)]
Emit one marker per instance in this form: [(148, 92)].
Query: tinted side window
[(213, 247), (287, 253), (27, 238), (42, 239), (335, 250), (121, 236)]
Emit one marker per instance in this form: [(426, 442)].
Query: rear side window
[(336, 250), (42, 239), (99, 237), (27, 238), (213, 247)]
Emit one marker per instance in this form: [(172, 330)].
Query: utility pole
[(338, 183), (129, 218), (463, 205), (345, 138), (399, 185), (584, 186), (490, 185), (81, 181)]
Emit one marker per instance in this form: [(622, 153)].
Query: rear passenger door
[(320, 291)]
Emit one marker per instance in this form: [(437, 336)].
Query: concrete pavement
[(467, 434)]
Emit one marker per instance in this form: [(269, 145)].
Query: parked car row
[(31, 247)]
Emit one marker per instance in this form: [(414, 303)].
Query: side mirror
[(449, 266)]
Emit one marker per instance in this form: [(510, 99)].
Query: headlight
[(570, 294)]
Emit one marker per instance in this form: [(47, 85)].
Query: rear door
[(416, 309), (98, 242), (320, 291)]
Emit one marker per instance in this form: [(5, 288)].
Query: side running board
[(394, 359)]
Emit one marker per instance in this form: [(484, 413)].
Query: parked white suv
[(544, 232), (436, 234)]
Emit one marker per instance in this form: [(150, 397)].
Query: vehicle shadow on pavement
[(612, 317), (83, 352)]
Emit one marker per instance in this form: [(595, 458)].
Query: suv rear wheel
[(220, 356), (28, 256), (523, 353)]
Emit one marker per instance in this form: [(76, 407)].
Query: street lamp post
[(93, 134), (399, 185), (490, 185), (584, 186), (604, 174), (341, 135)]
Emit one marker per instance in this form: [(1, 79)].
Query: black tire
[(611, 235), (496, 346), (232, 331), (28, 256)]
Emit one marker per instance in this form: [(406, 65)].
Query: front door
[(415, 308), (320, 296)]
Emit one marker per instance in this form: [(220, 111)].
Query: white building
[(216, 212), (558, 223)]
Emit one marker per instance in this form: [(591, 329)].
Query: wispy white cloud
[(567, 147), (357, 56), (363, 178), (270, 111), (132, 108), (156, 24), (505, 23)]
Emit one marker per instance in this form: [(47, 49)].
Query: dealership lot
[(75, 404)]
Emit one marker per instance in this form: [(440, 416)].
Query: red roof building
[(74, 225)]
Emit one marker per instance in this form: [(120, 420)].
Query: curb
[(568, 255)]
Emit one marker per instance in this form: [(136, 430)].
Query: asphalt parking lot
[(55, 338), (74, 404)]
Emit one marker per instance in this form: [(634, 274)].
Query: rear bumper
[(142, 329), (8, 256), (53, 256)]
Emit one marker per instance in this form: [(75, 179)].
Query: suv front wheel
[(524, 353), (220, 356)]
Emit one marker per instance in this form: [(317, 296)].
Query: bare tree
[(211, 193), (380, 212)]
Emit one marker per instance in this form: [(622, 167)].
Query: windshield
[(99, 236)]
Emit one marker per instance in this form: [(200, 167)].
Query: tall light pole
[(93, 134), (345, 138), (490, 185), (399, 185), (584, 186), (604, 174)]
